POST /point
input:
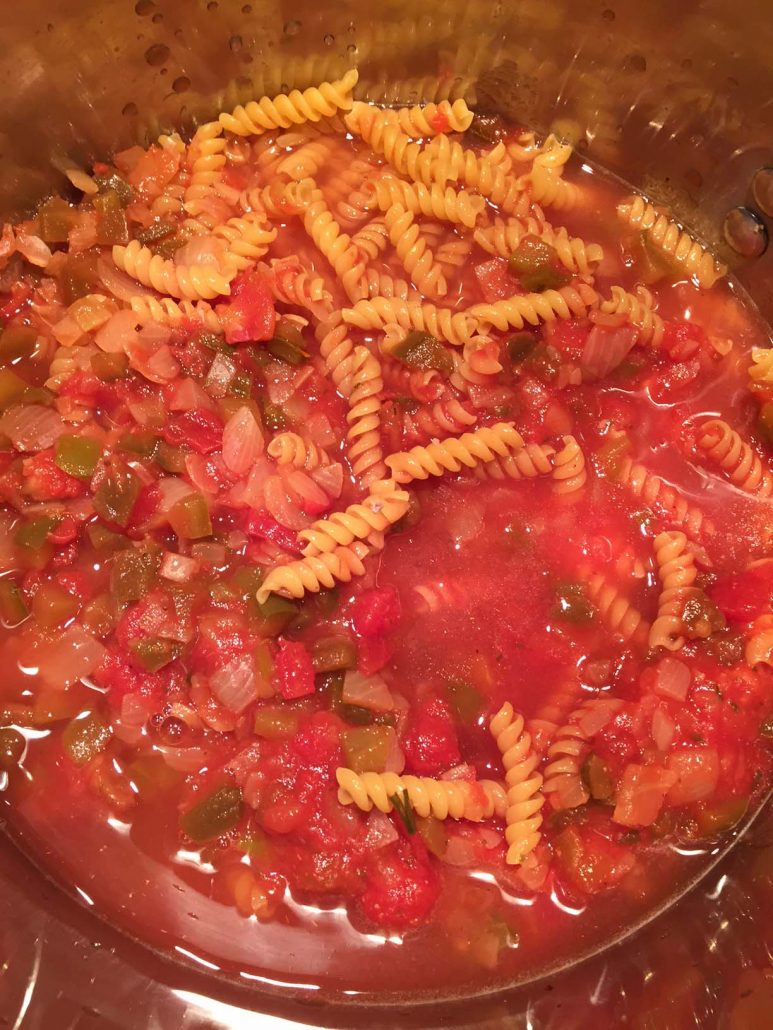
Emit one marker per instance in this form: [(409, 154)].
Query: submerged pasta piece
[(524, 795), (455, 453), (442, 799)]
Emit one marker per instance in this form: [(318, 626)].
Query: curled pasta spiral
[(443, 799), (307, 160), (454, 253), (335, 349), (665, 499), (525, 799), (372, 238), (478, 364), (547, 187), (386, 138), (433, 201), (452, 162), (676, 568), (761, 369), (292, 284), (617, 613), (563, 778), (194, 282), (336, 246), (248, 239), (381, 284), (414, 253), (422, 383), (447, 415), (310, 575), (455, 453), (166, 311), (292, 449), (742, 465), (532, 460), (384, 505), (282, 111), (207, 162), (569, 473), (639, 312), (503, 237), (432, 118), (553, 712), (517, 311), (455, 327), (363, 438), (759, 645), (669, 237)]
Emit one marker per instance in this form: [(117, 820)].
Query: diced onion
[(178, 568), (663, 728), (32, 427), (33, 249), (672, 679), (118, 282), (367, 692), (330, 478), (119, 330), (605, 349), (186, 394), (184, 759), (234, 684), (67, 331), (381, 831), (242, 441), (74, 654)]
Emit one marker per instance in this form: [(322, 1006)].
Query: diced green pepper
[(274, 614), (465, 700), (13, 609), (326, 602), (98, 616), (55, 218), (519, 346), (133, 573), (213, 816), (77, 455), (52, 605), (720, 816), (189, 518), (104, 539), (12, 747), (287, 344), (171, 458), (116, 496), (274, 417), (598, 778), (433, 833), (245, 580), (109, 367), (366, 748), (275, 723), (155, 232), (241, 385), (536, 265), (85, 737), (18, 341), (152, 776), (112, 227), (12, 387), (543, 362), (332, 685), (31, 539), (214, 341), (572, 604), (153, 653), (488, 128), (611, 455), (143, 442), (118, 185), (334, 653), (256, 845), (420, 350), (79, 276), (38, 395)]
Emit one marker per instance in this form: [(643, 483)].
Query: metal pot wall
[(674, 97)]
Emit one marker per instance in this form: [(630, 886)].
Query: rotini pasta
[(335, 349), (442, 799), (413, 252), (525, 799), (384, 505), (531, 308), (617, 613), (563, 783), (432, 118), (310, 575), (363, 438), (447, 415), (569, 473), (665, 500), (193, 282), (311, 105), (528, 462), (433, 201), (740, 463), (677, 572), (761, 370), (336, 246), (292, 449), (504, 237), (455, 453), (207, 162), (166, 311), (759, 643), (639, 312), (455, 327), (248, 238)]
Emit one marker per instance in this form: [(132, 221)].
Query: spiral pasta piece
[(525, 799), (295, 108), (553, 713), (529, 462), (547, 187), (372, 239), (443, 799), (433, 201), (335, 245), (447, 415), (431, 119), (531, 308), (677, 572), (740, 463), (248, 238), (455, 453), (387, 139), (761, 370), (617, 613), (381, 284), (335, 349), (563, 783), (307, 160), (504, 237), (671, 239), (292, 284), (422, 383), (477, 365), (413, 252), (363, 438), (638, 311), (453, 163), (292, 449), (569, 473), (310, 575), (166, 311), (378, 512), (193, 282), (208, 159), (665, 500), (455, 327)]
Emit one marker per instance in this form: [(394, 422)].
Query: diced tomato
[(674, 379), (250, 314), (746, 595), (430, 744), (495, 280), (153, 171), (116, 674), (318, 742), (641, 794), (263, 526), (145, 507), (567, 336), (221, 639), (45, 481), (401, 887), (293, 672), (439, 122), (373, 653), (590, 860), (683, 340), (64, 532), (376, 612), (200, 429)]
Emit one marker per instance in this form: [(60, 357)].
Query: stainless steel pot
[(675, 97)]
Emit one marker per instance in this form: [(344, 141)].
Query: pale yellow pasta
[(434, 201), (422, 121), (372, 239), (759, 643), (523, 817), (569, 473), (659, 496), (310, 575), (553, 712), (455, 453), (677, 573), (248, 238), (413, 252), (530, 461), (563, 783), (452, 162), (454, 253), (314, 103), (363, 438), (638, 310), (671, 239), (504, 237), (300, 289), (478, 364), (335, 349), (455, 327), (441, 799), (547, 187), (292, 449), (761, 369), (385, 504), (307, 160), (737, 459), (166, 311), (447, 415), (207, 152), (194, 282), (382, 284), (531, 308), (335, 245), (385, 138), (617, 613)]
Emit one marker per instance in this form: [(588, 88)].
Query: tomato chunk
[(293, 671)]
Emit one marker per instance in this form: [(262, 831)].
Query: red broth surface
[(165, 751)]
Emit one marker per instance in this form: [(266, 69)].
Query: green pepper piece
[(17, 341), (109, 367), (275, 723), (104, 539), (189, 518), (215, 342), (52, 605), (79, 276), (274, 614), (572, 604), (143, 442), (38, 395), (31, 539), (152, 776), (366, 748), (12, 387), (118, 185), (77, 455), (55, 218), (535, 263), (99, 616), (85, 737), (433, 833), (133, 573), (612, 454), (420, 350), (332, 654), (155, 232), (465, 700), (274, 417), (153, 653), (116, 496), (171, 458), (13, 609), (288, 345), (598, 778), (721, 816), (12, 748), (241, 385), (519, 346), (543, 362), (112, 227), (213, 816)]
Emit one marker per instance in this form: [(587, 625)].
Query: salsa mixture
[(260, 736)]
